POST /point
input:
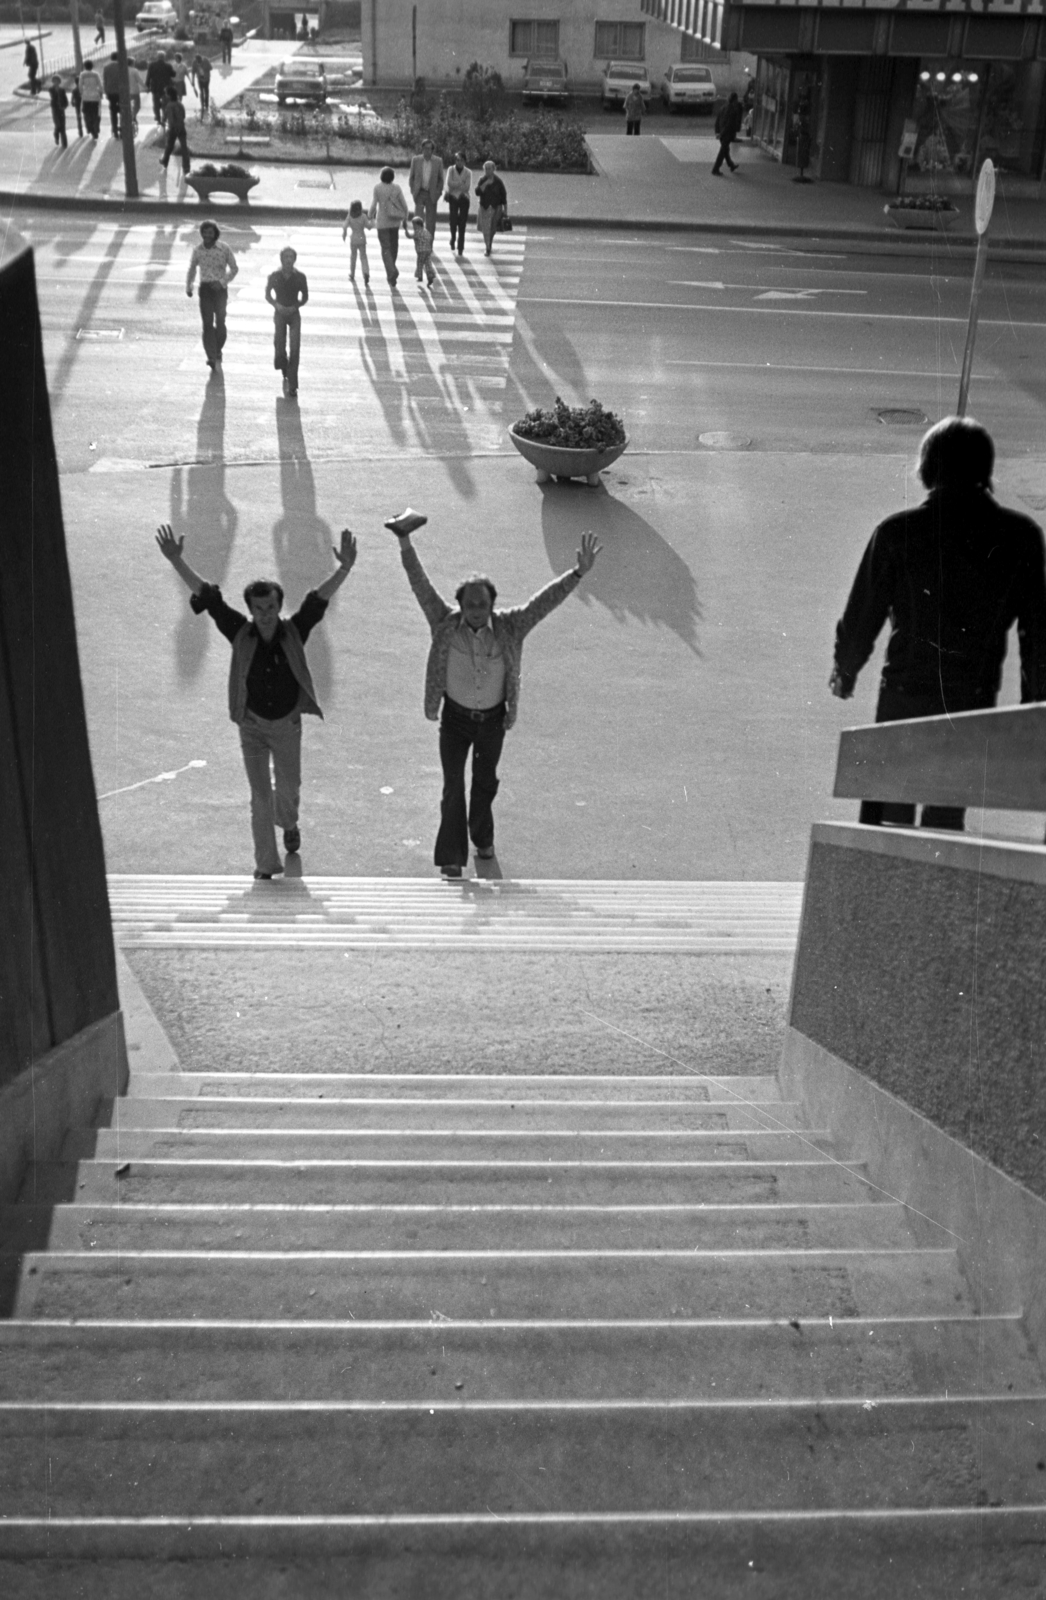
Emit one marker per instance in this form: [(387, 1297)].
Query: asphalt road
[(674, 720)]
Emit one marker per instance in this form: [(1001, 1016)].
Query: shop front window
[(968, 111), (947, 113)]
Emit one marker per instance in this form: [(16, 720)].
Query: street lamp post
[(74, 19), (126, 119)]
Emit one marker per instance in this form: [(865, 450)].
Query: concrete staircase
[(448, 1335)]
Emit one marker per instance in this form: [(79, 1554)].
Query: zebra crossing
[(419, 369)]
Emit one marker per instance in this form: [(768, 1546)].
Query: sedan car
[(301, 80), (618, 78), (688, 85), (158, 15), (546, 80)]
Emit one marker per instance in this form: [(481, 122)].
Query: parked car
[(618, 78), (546, 80), (301, 80), (687, 85), (159, 15)]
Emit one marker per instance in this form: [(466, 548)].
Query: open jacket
[(510, 629)]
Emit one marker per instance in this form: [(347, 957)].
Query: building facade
[(914, 94), (438, 40)]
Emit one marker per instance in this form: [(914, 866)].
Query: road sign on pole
[(982, 215)]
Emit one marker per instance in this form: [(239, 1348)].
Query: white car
[(158, 15), (618, 78), (688, 85)]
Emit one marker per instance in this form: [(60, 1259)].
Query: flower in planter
[(921, 202), (572, 427)]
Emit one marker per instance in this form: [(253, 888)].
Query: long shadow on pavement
[(301, 540), (201, 510), (637, 576)]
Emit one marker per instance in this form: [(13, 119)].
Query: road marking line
[(1010, 325)]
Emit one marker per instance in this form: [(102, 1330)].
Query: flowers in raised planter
[(921, 202), (588, 427)]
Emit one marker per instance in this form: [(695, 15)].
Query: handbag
[(505, 225)]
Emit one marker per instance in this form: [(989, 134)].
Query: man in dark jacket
[(951, 576), (111, 86), (158, 79), (175, 130), (727, 127)]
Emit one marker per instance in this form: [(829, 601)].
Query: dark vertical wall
[(836, 132), (57, 966)]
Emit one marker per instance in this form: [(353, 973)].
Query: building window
[(540, 39), (697, 50), (621, 41)]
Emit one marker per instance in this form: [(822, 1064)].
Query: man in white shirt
[(459, 188), (217, 267), (472, 686), (90, 86), (425, 181)]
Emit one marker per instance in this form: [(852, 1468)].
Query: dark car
[(546, 80), (301, 80)]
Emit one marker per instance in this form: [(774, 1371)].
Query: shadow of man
[(202, 512), (639, 575), (301, 540)]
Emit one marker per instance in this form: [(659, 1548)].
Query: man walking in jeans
[(287, 291), (270, 688), (217, 267), (473, 672)]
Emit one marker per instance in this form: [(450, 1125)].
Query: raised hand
[(170, 547), (345, 556), (588, 552)]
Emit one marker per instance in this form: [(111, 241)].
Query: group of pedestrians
[(428, 180), (286, 291), (166, 81), (472, 681)]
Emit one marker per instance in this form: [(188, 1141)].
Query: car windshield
[(299, 69), (692, 75)]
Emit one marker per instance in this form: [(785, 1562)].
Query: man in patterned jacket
[(473, 672)]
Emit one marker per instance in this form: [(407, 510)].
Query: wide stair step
[(450, 1332)]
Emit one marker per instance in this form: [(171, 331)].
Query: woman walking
[(493, 201), (389, 211)]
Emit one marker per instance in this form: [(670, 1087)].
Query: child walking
[(357, 224), (423, 245)]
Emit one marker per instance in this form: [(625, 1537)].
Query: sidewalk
[(661, 180)]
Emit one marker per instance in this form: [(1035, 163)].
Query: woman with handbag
[(493, 204), (389, 210)]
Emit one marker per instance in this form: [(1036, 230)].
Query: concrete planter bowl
[(207, 184), (930, 221), (552, 461)]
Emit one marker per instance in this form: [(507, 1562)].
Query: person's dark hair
[(115, 56), (957, 453), (260, 589), (88, 66), (476, 577), (356, 208), (211, 227), (387, 174), (172, 92)]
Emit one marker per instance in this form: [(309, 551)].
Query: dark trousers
[(159, 103), (92, 111), (459, 216), (60, 136), (214, 297), (724, 155), (114, 114), (459, 732), (176, 140), (632, 126), (203, 86), (894, 705), (287, 321), (226, 52), (389, 244)]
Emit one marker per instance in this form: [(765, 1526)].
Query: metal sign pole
[(982, 217)]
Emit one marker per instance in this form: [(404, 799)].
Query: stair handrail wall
[(61, 1040), (917, 1020)]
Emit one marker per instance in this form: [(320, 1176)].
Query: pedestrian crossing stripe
[(476, 913)]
